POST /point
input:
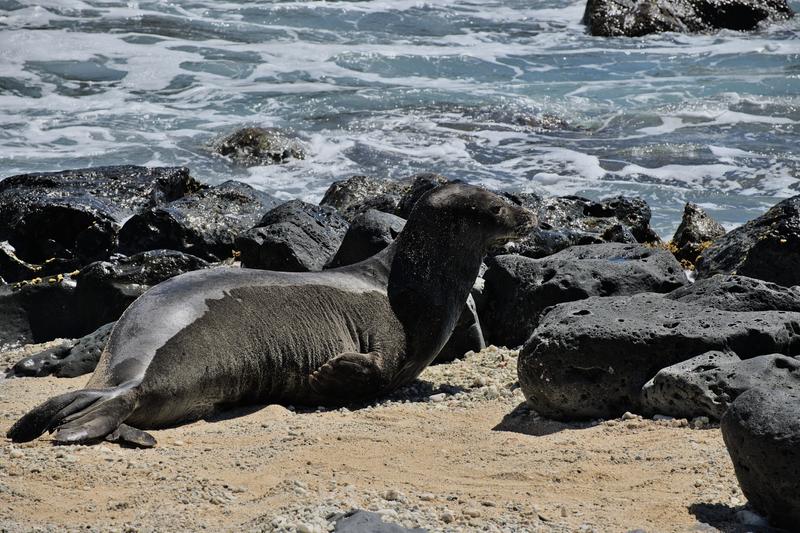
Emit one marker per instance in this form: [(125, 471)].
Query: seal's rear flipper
[(79, 416), (127, 435), (349, 376)]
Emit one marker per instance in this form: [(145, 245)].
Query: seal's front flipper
[(128, 436), (349, 376)]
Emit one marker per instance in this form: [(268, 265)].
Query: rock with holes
[(358, 194), (293, 237), (370, 232), (739, 293), (766, 248), (762, 433), (707, 384), (566, 221), (204, 224), (591, 358), (632, 18), (518, 289), (695, 233), (259, 146), (74, 215), (69, 359)]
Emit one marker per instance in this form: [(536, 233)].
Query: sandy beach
[(458, 451)]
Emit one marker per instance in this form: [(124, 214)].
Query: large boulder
[(75, 214), (293, 237), (12, 268), (39, 310), (707, 384), (370, 232), (259, 146), (566, 221), (204, 224), (358, 194), (762, 433), (633, 18), (69, 359), (695, 233), (766, 248), (518, 289), (591, 358), (739, 293)]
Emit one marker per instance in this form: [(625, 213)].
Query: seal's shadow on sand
[(723, 518), (523, 420)]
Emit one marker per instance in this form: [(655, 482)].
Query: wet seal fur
[(210, 339)]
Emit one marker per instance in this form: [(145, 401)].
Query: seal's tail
[(83, 416)]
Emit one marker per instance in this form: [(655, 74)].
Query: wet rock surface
[(259, 146), (591, 358), (762, 433), (707, 384), (357, 194), (739, 293), (69, 359), (571, 220), (518, 289), (75, 214), (369, 233), (633, 18), (293, 237), (696, 232), (204, 224), (766, 248)]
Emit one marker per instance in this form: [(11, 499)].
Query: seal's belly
[(261, 343)]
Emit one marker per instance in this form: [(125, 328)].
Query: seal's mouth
[(524, 222)]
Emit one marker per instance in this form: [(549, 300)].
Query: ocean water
[(393, 87)]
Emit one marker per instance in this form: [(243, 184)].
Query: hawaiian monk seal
[(230, 336)]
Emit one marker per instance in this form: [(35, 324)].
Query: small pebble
[(437, 397), (426, 497), (447, 517), (472, 512)]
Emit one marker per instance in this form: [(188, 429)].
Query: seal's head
[(480, 212)]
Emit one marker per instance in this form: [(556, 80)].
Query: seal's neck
[(434, 263)]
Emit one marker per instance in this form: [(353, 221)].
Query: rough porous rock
[(591, 358), (75, 214), (518, 289), (39, 311), (571, 220), (695, 233), (357, 194), (739, 293), (12, 268), (707, 384), (70, 359), (259, 146), (369, 233), (633, 18), (766, 248), (204, 224), (359, 521), (106, 288), (293, 237), (762, 433)]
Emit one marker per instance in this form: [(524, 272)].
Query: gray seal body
[(210, 339)]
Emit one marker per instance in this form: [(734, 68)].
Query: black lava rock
[(293, 237), (68, 360), (571, 220), (204, 224), (357, 194), (370, 232), (591, 358), (707, 384), (695, 233), (38, 311), (518, 289), (106, 288), (75, 214), (633, 18), (259, 146), (12, 268), (766, 248), (739, 293), (762, 433), (358, 521)]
